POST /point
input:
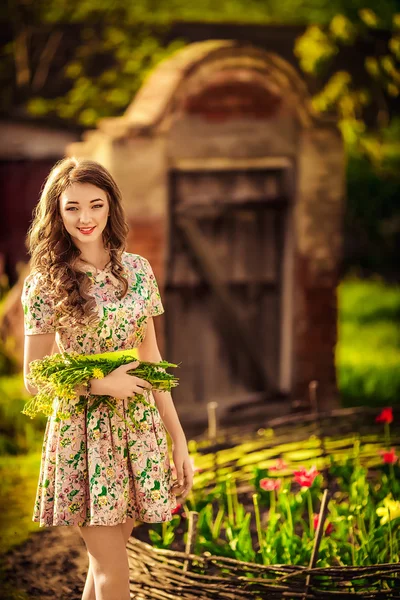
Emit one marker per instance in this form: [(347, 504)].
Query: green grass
[(19, 476), (368, 351), (18, 433)]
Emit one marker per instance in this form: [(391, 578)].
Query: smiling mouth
[(86, 229)]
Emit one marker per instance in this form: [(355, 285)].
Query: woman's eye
[(94, 206)]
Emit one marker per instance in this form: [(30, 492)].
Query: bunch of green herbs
[(58, 375)]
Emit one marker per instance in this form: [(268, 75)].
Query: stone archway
[(222, 127)]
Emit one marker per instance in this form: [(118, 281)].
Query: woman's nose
[(84, 219)]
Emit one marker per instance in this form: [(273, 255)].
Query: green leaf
[(154, 536)]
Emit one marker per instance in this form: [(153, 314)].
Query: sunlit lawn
[(368, 350), (19, 476)]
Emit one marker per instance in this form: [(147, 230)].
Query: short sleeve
[(38, 306), (154, 304)]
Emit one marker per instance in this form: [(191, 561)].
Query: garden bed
[(282, 513)]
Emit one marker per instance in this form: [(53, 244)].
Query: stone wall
[(319, 208)]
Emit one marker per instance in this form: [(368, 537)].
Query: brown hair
[(50, 245)]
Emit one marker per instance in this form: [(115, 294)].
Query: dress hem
[(91, 523)]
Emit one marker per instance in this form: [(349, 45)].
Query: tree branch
[(23, 72), (45, 60)]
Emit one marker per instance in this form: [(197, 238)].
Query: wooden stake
[(191, 536), (312, 390), (212, 420), (317, 539)]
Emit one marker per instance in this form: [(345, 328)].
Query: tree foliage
[(79, 61), (343, 93), (105, 72)]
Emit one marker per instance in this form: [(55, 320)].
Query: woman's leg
[(127, 528), (88, 591), (108, 560)]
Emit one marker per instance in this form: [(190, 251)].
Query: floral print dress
[(94, 469)]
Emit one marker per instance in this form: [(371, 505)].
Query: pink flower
[(389, 457), (386, 416), (268, 485), (280, 465), (305, 478), (328, 529)]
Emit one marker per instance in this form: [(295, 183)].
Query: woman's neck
[(98, 259)]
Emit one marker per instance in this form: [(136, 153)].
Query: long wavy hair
[(53, 253)]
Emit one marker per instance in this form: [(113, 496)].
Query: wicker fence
[(158, 574)]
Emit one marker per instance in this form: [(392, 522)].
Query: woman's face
[(84, 210)]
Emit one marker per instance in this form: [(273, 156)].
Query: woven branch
[(158, 574)]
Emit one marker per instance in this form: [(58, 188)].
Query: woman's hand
[(120, 384), (183, 468)]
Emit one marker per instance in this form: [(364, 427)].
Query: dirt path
[(52, 563)]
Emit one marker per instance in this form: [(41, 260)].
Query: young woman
[(86, 294)]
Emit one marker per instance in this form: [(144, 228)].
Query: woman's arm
[(39, 345), (148, 351), (36, 347)]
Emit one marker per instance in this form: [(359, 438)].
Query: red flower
[(268, 485), (329, 528), (280, 464), (389, 457), (386, 416), (177, 509), (305, 478)]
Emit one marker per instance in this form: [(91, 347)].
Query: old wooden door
[(224, 283)]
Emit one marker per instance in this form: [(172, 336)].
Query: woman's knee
[(106, 545)]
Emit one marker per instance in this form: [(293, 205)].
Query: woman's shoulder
[(150, 289), (136, 261), (31, 281), (34, 285)]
